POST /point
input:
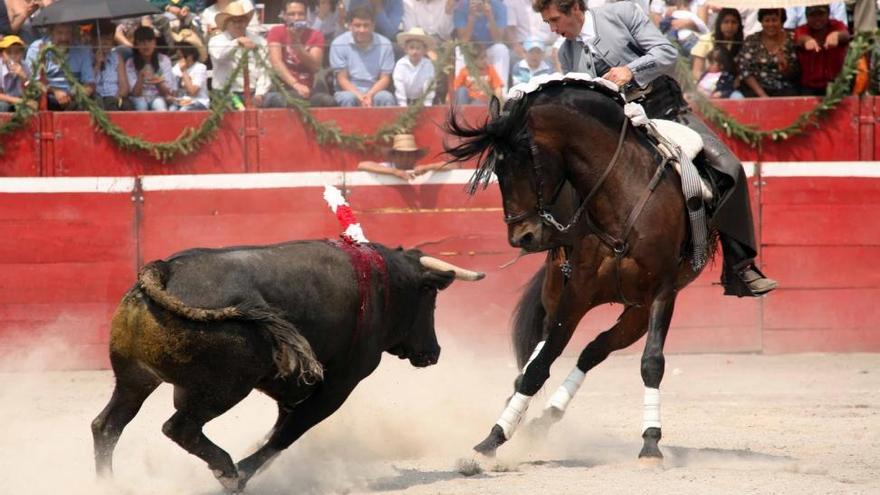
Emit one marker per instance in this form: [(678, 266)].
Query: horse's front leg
[(572, 307), (653, 365)]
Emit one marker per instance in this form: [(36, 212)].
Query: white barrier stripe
[(820, 169), (108, 185), (651, 417), (283, 180)]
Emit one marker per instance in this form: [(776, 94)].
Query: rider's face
[(566, 25)]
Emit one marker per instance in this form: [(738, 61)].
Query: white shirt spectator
[(797, 16), (430, 15), (528, 23), (225, 54), (208, 15), (198, 74), (410, 82)]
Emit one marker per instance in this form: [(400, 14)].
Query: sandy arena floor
[(800, 424)]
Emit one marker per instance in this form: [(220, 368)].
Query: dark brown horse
[(625, 242)]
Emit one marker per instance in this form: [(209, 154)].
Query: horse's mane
[(507, 134)]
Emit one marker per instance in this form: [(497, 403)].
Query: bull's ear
[(494, 108), (437, 280)]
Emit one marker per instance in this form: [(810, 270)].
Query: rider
[(619, 43)]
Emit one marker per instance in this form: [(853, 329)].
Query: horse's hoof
[(537, 429), (231, 484), (650, 462), (488, 446)]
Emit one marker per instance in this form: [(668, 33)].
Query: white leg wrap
[(534, 355), (513, 413), (566, 391), (651, 418)]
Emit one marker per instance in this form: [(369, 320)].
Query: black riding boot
[(739, 276)]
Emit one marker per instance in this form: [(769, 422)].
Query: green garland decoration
[(835, 93), (191, 139)]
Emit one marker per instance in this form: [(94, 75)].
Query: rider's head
[(565, 17)]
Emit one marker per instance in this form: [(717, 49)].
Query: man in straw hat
[(400, 160), (227, 48), (414, 72)]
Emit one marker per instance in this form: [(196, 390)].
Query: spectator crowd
[(382, 52)]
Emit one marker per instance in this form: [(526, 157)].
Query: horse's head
[(532, 182)]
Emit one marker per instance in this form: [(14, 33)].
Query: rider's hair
[(564, 6)]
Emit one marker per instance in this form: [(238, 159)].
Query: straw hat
[(233, 10), (190, 36), (416, 34), (404, 150)]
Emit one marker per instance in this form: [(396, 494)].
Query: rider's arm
[(660, 56)]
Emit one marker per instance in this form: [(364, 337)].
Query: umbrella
[(86, 10), (766, 4)]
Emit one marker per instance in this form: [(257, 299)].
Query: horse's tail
[(291, 349), (528, 319)]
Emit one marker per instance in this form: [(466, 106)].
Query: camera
[(297, 25)]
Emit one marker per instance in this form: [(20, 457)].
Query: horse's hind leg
[(630, 327), (133, 385), (653, 364), (195, 407)]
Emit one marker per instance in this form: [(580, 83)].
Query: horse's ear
[(494, 108)]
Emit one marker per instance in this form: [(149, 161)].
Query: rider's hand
[(619, 75)]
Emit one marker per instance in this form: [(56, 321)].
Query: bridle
[(618, 245)]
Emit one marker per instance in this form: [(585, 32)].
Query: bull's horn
[(443, 266)]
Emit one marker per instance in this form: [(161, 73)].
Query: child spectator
[(468, 89), (108, 60), (192, 79), (148, 77), (682, 26), (400, 160), (534, 63), (718, 81), (414, 72), (13, 74)]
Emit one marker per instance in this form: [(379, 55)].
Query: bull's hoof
[(488, 446), (231, 483)]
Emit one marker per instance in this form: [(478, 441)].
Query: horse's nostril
[(526, 239)]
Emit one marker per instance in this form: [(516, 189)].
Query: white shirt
[(527, 22), (411, 81), (429, 15), (224, 56), (198, 74)]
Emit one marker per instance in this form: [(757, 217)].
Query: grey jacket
[(624, 36)]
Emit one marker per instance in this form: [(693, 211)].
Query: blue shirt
[(387, 20), (481, 32), (364, 66), (79, 59), (107, 81)]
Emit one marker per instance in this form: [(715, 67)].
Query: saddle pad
[(688, 139)]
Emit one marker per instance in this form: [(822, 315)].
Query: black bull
[(303, 322)]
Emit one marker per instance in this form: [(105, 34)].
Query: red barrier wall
[(70, 244)]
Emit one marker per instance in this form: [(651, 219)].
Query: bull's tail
[(528, 319), (291, 350)]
